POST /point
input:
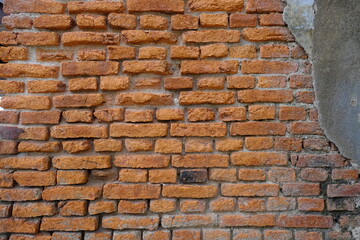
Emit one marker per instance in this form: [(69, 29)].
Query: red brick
[(343, 190), (142, 37), (15, 21), (85, 21), (202, 97), (214, 20), (46, 86), (274, 51), (222, 205), (316, 144), (345, 174), (272, 82), (184, 52), (71, 192), (243, 20), (249, 190), (169, 114), (79, 131), (277, 235), (257, 128), (90, 68), (13, 53), (216, 5), (314, 160), (259, 6), (187, 221), (138, 130), (69, 224), (95, 6), (292, 113), (309, 204), (267, 34), (142, 161), (305, 221), (152, 53), (251, 204), (131, 222), (200, 161), (241, 234), (288, 144), (276, 96), (30, 38), (19, 225), (175, 83), (301, 189), (261, 112), (34, 6), (314, 174), (81, 162), (189, 191), (184, 22), (214, 83), (87, 54), (55, 22), (305, 97), (192, 206), (212, 36), (172, 6), (272, 19), (269, 67), (258, 220), (258, 159), (131, 191), (153, 22), (299, 128), (198, 129)]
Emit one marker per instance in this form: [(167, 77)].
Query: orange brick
[(189, 191), (29, 38), (202, 97), (258, 6), (71, 177), (81, 162), (222, 205), (192, 206), (258, 143), (259, 220), (229, 144), (132, 175), (162, 176), (11, 70), (184, 22), (272, 82), (53, 55), (132, 207), (251, 204), (36, 209), (56, 22), (257, 128), (153, 22), (288, 144), (148, 83), (142, 37), (244, 51), (138, 130), (21, 225), (267, 34), (219, 174), (8, 147), (114, 83), (78, 100), (301, 81), (100, 207), (93, 38), (121, 52), (14, 21), (142, 161), (69, 224), (243, 20), (215, 83), (309, 204), (274, 51), (109, 114), (169, 114), (86, 21), (86, 54), (82, 84), (71, 192), (11, 86), (281, 175), (168, 146), (184, 52), (201, 114), (305, 221), (216, 5), (200, 161), (214, 20), (272, 19), (270, 67), (214, 50), (122, 21), (157, 235), (46, 86), (90, 68), (107, 145), (39, 147), (277, 234), (299, 128), (198, 130), (13, 53), (136, 145), (258, 158), (276, 96), (95, 6), (73, 208), (240, 82), (261, 112), (172, 6), (152, 53), (131, 191), (77, 116), (198, 145), (76, 146), (251, 175), (175, 83), (212, 36), (35, 133), (162, 205)]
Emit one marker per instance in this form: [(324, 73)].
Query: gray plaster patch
[(299, 16), (336, 61)]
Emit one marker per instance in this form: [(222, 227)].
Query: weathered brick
[(13, 53), (184, 52), (343, 190), (280, 204), (132, 207), (17, 21), (212, 36), (34, 6), (257, 128), (44, 55), (310, 204), (186, 234), (79, 131), (172, 6), (175, 83), (86, 54), (162, 176), (267, 34), (76, 146), (314, 174), (72, 116), (107, 145), (55, 22), (131, 222), (251, 204), (244, 51), (30, 38), (198, 129), (155, 67), (168, 146), (299, 128), (249, 190), (39, 147), (121, 52), (12, 70), (184, 22), (215, 6), (38, 163), (162, 205), (69, 224), (148, 83), (189, 191), (19, 225), (133, 175), (109, 114), (253, 96), (72, 208), (71, 192), (11, 87), (95, 6), (157, 235), (258, 158), (90, 68), (138, 130), (198, 145), (238, 20), (301, 189), (215, 83), (81, 38), (5, 210), (86, 21), (71, 177), (187, 221), (122, 21), (200, 160), (288, 144), (258, 220), (137, 145), (20, 194), (34, 133), (199, 97), (214, 20), (269, 67), (142, 161), (114, 83), (272, 82), (222, 205), (258, 6), (251, 175), (6, 181), (33, 209), (82, 162), (305, 221), (345, 174), (100, 207), (131, 191), (46, 86), (153, 22), (318, 160), (192, 206), (152, 53), (142, 37)]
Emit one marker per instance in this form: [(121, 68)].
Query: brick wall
[(164, 119)]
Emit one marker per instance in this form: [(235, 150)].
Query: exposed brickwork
[(164, 119)]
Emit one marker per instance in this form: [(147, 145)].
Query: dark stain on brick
[(10, 132), (193, 176)]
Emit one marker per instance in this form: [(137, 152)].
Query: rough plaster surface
[(328, 30)]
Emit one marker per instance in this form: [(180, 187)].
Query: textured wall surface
[(164, 119)]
